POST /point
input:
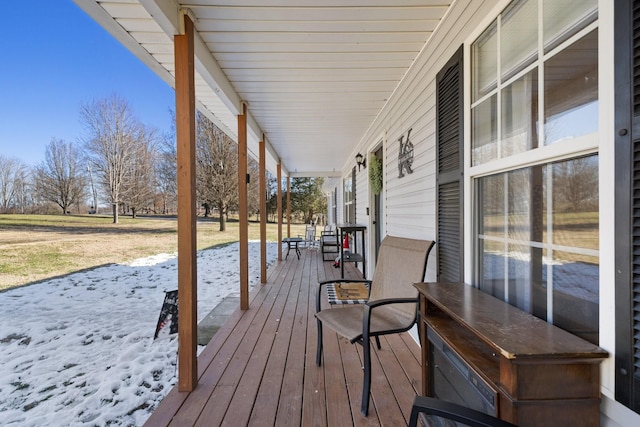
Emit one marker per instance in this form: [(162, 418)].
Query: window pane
[(519, 263), (520, 115), (485, 62), (492, 268), (492, 209), (571, 91), (491, 229), (518, 37), (576, 294), (575, 275), (484, 132), (575, 203), (564, 18), (519, 202)]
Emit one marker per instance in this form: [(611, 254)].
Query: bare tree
[(253, 187), (25, 196), (60, 177), (216, 168), (138, 189), (111, 142), (272, 197), (575, 184), (166, 179), (13, 178), (166, 171)]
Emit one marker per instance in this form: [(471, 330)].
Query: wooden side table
[(514, 365)]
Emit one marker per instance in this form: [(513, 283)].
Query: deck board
[(287, 408), (259, 369)]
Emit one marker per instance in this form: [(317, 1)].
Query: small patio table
[(292, 242)]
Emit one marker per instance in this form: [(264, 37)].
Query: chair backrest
[(310, 234), (401, 263)]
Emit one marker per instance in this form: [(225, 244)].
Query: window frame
[(542, 155)]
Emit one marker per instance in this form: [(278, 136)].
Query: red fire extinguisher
[(345, 251), (345, 247)]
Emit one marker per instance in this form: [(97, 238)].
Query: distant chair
[(392, 306), (310, 236), (329, 243)]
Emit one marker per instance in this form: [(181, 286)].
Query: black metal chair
[(453, 412), (392, 306), (329, 243)]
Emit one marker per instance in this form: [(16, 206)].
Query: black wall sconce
[(361, 161)]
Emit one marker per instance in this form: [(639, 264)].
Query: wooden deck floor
[(259, 369)]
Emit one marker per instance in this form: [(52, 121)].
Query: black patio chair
[(392, 306)]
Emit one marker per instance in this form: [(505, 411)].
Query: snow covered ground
[(79, 350)]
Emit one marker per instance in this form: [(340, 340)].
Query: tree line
[(123, 165)]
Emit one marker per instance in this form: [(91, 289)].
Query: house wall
[(409, 202), (362, 194)]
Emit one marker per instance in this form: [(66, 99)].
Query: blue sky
[(55, 58)]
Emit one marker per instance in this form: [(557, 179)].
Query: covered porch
[(259, 368)]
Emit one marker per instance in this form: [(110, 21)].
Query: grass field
[(36, 247)]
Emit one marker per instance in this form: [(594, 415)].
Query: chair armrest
[(370, 305), (386, 301), (452, 411)]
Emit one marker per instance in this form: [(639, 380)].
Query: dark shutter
[(449, 184), (627, 205), (635, 305), (636, 57)]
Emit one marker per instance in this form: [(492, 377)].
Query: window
[(536, 215), (334, 205), (350, 198)]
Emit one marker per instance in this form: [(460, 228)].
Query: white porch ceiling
[(314, 73)]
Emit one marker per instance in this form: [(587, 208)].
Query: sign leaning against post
[(168, 320)]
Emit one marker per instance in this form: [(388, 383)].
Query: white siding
[(409, 202)]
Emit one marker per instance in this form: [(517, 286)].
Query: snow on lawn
[(79, 349)]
